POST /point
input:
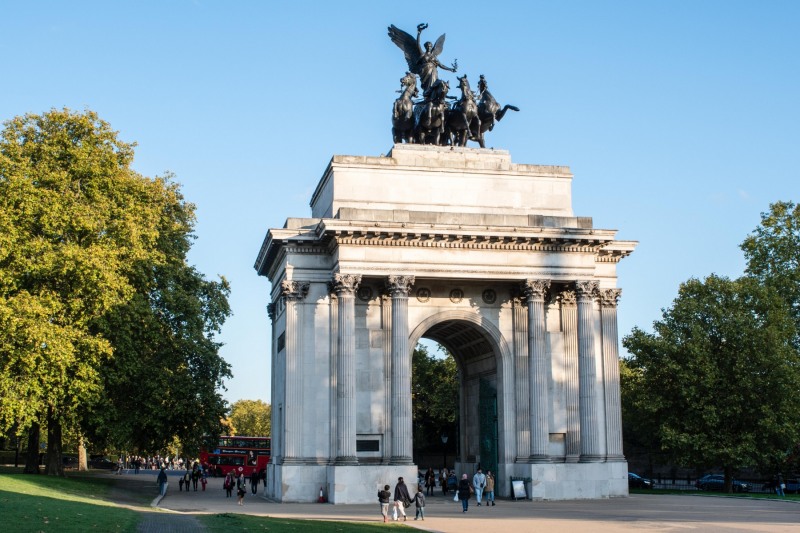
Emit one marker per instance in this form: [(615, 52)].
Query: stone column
[(293, 292), (386, 326), (272, 309), (535, 291), (345, 286), (608, 321), (590, 436), (569, 327), (402, 437), (522, 379)]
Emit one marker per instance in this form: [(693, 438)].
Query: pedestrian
[(443, 479), (187, 479), (180, 484), (464, 488), (195, 476), (385, 498), (430, 482), (478, 483), (241, 488), (254, 481), (779, 485), (228, 484), (489, 490), (402, 499), (162, 482), (419, 499), (204, 479)]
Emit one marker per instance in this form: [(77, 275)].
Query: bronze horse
[(403, 110), (463, 116), (430, 114), (489, 112)]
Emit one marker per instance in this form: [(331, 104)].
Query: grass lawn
[(80, 503), (30, 503), (225, 523)]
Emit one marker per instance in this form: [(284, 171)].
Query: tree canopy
[(773, 254), (251, 418), (92, 277), (434, 391), (718, 372)]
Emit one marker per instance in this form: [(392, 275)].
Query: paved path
[(656, 513)]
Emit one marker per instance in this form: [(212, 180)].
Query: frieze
[(474, 242)]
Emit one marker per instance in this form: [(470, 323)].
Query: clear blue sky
[(680, 119)]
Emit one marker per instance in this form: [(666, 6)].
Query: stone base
[(339, 484), (568, 481)]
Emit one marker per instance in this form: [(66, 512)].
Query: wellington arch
[(483, 255)]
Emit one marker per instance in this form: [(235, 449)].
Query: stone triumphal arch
[(480, 254)]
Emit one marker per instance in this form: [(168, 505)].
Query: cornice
[(329, 233)]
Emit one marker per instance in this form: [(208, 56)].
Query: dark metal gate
[(488, 426)]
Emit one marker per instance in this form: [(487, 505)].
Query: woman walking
[(228, 484), (464, 488)]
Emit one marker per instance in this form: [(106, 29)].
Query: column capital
[(609, 297), (271, 311), (568, 298), (345, 283), (294, 290), (399, 285), (586, 289), (535, 289)]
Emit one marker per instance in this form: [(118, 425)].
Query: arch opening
[(468, 436)]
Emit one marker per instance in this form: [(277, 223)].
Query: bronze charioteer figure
[(422, 62)]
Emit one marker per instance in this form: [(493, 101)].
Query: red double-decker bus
[(240, 454)]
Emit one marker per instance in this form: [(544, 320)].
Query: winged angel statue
[(423, 63)]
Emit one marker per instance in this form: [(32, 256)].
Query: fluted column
[(608, 321), (275, 400), (569, 327), (402, 436), (345, 286), (590, 435), (293, 292), (522, 379), (535, 291)]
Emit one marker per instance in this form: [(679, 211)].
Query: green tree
[(640, 430), (75, 221), (773, 254), (716, 371), (434, 391), (251, 418)]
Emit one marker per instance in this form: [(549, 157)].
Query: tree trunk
[(54, 462), (83, 463), (32, 455), (728, 479)]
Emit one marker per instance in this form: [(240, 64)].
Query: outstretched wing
[(408, 45), (439, 46)]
